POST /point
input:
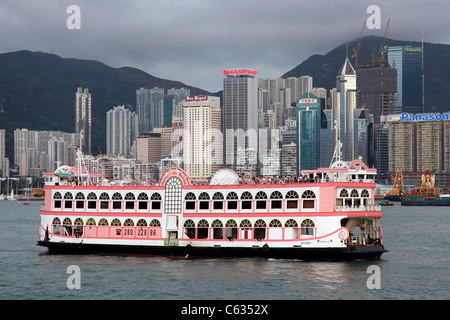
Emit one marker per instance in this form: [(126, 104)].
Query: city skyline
[(233, 27)]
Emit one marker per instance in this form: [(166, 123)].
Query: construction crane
[(397, 188), (384, 40), (356, 51)]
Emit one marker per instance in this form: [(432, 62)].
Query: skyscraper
[(121, 130), (349, 120), (308, 131), (150, 108), (203, 149), (410, 82), (83, 118), (239, 113)]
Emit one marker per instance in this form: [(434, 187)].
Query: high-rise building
[(148, 147), (121, 130), (2, 150), (150, 108), (349, 121), (410, 80), (309, 115), (179, 95), (143, 109), (239, 113), (83, 118), (202, 155)]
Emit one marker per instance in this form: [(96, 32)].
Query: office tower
[(349, 121), (377, 85), (143, 109), (179, 96), (308, 130), (203, 149), (121, 130), (166, 140), (410, 82), (239, 113), (83, 118), (150, 108), (168, 109)]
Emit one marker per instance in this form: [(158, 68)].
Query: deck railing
[(358, 208)]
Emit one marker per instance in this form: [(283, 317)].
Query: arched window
[(364, 193), (308, 197), (104, 201), (231, 229), (117, 201), (307, 227), (67, 227), (116, 223), (276, 200), (155, 223), (173, 200), (79, 200), (292, 202), (128, 223), (57, 200), (129, 201), (246, 224), (156, 201), (260, 229), (203, 201), (217, 201), (275, 223), (92, 200), (141, 223), (246, 200), (343, 194), (189, 229), (103, 222), (232, 200), (291, 223), (68, 198), (190, 201), (261, 200), (56, 225), (78, 227), (217, 231), (90, 222), (354, 193), (142, 201)]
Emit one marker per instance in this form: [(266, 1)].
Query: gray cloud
[(192, 41)]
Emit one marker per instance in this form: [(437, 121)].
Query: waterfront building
[(203, 147), (349, 121), (121, 130), (408, 61), (239, 114), (83, 118), (308, 131)]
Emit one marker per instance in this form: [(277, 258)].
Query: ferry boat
[(327, 214)]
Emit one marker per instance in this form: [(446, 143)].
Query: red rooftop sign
[(229, 72), (196, 98)]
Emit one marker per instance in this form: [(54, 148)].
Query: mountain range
[(37, 90)]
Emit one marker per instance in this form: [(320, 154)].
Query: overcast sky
[(194, 40)]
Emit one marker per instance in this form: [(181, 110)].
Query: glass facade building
[(308, 132), (410, 82)]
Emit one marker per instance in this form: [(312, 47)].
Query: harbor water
[(417, 266)]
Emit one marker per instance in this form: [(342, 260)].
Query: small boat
[(385, 203)]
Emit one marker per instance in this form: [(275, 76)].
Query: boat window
[(116, 223), (155, 223), (275, 223), (231, 230), (343, 194), (246, 202), (290, 203), (291, 223), (90, 222), (78, 227), (307, 227), (117, 201), (275, 203), (57, 195), (129, 201), (354, 193), (67, 227), (232, 201), (202, 229), (142, 201), (141, 223), (364, 193), (92, 200), (308, 194), (204, 201), (103, 222), (173, 200), (156, 201), (190, 201), (189, 229), (79, 203), (68, 200), (260, 230), (56, 225), (261, 200), (218, 201), (128, 223), (217, 230)]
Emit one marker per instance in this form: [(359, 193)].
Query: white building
[(83, 118), (202, 155), (121, 130)]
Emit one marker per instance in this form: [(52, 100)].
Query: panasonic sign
[(425, 116)]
